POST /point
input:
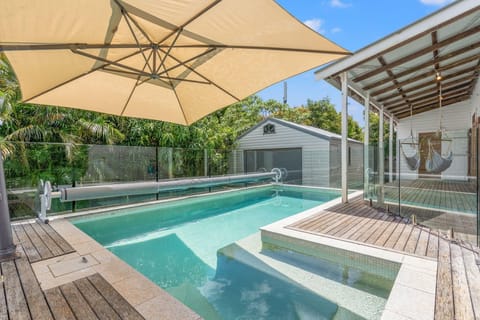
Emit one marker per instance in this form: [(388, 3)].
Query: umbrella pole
[(7, 248)]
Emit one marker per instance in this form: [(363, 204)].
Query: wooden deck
[(446, 195), (22, 298), (458, 273), (40, 241)]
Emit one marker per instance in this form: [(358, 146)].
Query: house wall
[(456, 120), (315, 151)]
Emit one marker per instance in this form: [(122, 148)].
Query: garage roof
[(435, 58), (317, 132)]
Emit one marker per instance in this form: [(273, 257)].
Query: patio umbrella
[(170, 60)]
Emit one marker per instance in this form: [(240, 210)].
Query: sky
[(352, 24)]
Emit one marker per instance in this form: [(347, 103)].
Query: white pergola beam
[(366, 144), (381, 159), (390, 151), (344, 147)]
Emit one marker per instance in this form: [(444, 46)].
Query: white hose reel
[(280, 174), (45, 200)]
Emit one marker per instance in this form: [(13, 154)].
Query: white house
[(311, 155)]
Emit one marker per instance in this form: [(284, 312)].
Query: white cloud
[(435, 2), (340, 4), (336, 30), (315, 24)]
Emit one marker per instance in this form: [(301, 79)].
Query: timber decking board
[(444, 308), (422, 242), (26, 243), (3, 302), (432, 248), (387, 234), (33, 293), (412, 241), (49, 242), (100, 306), (473, 279), (16, 303), (77, 302), (121, 306), (42, 249), (40, 241), (58, 305), (461, 297), (64, 245), (22, 298)]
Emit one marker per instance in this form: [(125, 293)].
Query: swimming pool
[(181, 245)]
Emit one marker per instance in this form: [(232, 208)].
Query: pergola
[(407, 72)]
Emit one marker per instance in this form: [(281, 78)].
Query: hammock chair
[(436, 163), (413, 161)]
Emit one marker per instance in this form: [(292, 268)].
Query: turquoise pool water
[(176, 245)]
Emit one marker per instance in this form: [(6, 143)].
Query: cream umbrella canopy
[(169, 60)]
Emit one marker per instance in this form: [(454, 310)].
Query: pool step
[(358, 304)]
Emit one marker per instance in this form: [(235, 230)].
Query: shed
[(311, 155)]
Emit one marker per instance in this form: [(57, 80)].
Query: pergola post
[(7, 248), (344, 147), (381, 158), (390, 150), (366, 145)]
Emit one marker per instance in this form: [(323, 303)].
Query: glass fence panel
[(66, 165), (31, 162), (434, 181), (437, 183)]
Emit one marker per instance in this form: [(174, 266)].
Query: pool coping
[(413, 292)]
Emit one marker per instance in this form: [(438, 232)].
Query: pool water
[(178, 246)]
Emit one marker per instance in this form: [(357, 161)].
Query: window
[(349, 156), (269, 129)]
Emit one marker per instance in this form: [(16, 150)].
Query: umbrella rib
[(91, 56), (193, 18), (134, 87), (162, 62), (78, 77), (226, 46), (69, 46), (203, 77), (125, 16), (188, 60), (178, 99), (76, 46)]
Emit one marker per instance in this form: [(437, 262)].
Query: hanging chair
[(436, 163), (413, 161)]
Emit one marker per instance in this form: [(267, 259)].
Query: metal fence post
[(7, 248)]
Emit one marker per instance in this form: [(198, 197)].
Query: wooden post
[(344, 148)]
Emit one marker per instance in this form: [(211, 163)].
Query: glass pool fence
[(67, 165)]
